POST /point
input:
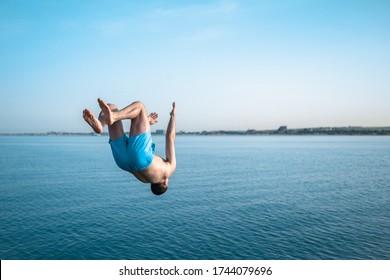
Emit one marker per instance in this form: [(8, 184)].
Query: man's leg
[(136, 112), (115, 130)]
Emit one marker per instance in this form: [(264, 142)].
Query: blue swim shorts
[(134, 153)]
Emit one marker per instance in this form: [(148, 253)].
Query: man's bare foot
[(106, 111), (153, 118), (92, 121)]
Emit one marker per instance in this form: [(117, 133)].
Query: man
[(136, 152)]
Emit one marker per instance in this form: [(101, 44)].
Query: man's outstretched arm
[(170, 140)]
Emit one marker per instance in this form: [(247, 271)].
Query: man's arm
[(170, 140)]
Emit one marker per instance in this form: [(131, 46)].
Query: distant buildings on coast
[(282, 130)]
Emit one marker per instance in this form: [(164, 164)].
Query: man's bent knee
[(139, 104)]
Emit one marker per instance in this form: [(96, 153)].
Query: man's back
[(157, 172)]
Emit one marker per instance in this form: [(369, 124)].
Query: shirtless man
[(135, 154)]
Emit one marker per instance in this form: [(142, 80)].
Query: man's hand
[(173, 112), (153, 118)]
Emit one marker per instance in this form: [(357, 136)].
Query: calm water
[(306, 197)]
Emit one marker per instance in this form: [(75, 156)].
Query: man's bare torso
[(156, 172)]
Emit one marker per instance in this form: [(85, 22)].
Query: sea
[(231, 198)]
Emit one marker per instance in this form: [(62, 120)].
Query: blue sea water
[(232, 197)]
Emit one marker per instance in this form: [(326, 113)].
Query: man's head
[(159, 188)]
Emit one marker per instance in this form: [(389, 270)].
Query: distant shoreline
[(283, 130)]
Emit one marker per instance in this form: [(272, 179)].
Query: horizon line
[(281, 129)]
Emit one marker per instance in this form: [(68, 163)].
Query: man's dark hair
[(158, 188)]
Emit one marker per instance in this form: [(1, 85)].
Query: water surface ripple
[(298, 197)]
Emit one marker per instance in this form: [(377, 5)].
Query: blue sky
[(228, 64)]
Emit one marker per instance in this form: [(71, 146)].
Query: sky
[(228, 64)]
